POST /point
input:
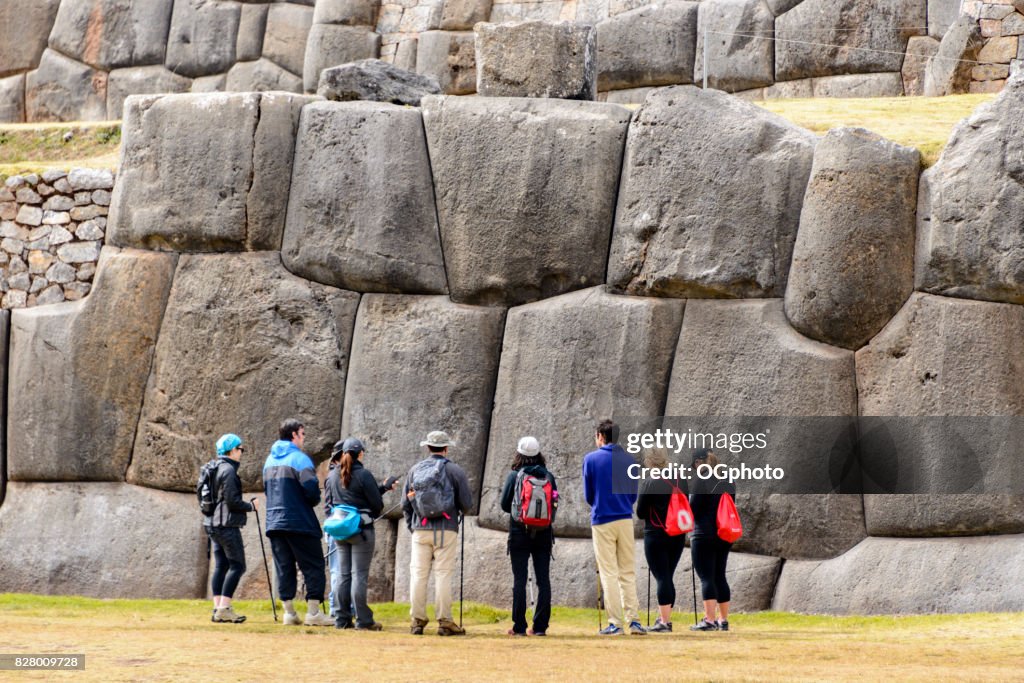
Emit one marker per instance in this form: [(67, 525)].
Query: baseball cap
[(528, 446)]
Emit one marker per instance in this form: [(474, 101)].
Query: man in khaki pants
[(436, 494), (611, 528)]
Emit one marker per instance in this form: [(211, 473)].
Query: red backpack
[(533, 502), (729, 527), (679, 519)]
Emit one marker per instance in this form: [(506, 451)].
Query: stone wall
[(64, 60), (733, 278), (52, 228)]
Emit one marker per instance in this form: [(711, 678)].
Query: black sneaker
[(705, 625), (660, 627), (723, 625)]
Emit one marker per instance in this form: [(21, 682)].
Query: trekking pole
[(270, 586), (600, 619), (648, 597), (693, 578), (529, 583), (462, 563)]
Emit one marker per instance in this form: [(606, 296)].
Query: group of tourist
[(436, 496)]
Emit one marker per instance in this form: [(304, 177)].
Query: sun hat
[(438, 440), (528, 446), (228, 443)]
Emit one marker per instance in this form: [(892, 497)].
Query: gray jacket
[(463, 501)]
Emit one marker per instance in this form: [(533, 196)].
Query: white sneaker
[(318, 619), (292, 619)]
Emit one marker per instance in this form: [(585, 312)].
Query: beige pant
[(440, 549), (615, 551)]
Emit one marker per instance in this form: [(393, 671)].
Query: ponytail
[(346, 468)]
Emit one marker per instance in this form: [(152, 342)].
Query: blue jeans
[(334, 566)]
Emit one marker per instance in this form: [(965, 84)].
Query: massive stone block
[(826, 37), (252, 24), (375, 80), (949, 71), (450, 57), (244, 346), (536, 59), (143, 80), (742, 359), (947, 357), (860, 85), (284, 43), (62, 89), (653, 45), (853, 263), (463, 15), (739, 45), (710, 198), (920, 51), (573, 572), (933, 575), (129, 542), (970, 242), (422, 363), (111, 34), (262, 75), (24, 28), (348, 12), (333, 44), (218, 182), (363, 217), (565, 364), (202, 37), (78, 371), (557, 164), (12, 99), (942, 14)]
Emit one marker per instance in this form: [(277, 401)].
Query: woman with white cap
[(530, 496)]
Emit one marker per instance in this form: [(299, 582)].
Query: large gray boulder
[(205, 172), (284, 42), (363, 217), (372, 79), (24, 29), (949, 71), (565, 364), (252, 24), (141, 80), (12, 99), (740, 359), (449, 57), (536, 59), (244, 345), (262, 75), (202, 37), (114, 554), (332, 44), (62, 89), (826, 37), (932, 575), (738, 57), (942, 14), (710, 198), (653, 45), (111, 34), (970, 242), (853, 263), (557, 164), (945, 357), (573, 573), (421, 363), (78, 371)]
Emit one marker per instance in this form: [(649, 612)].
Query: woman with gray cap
[(350, 483), (530, 496)]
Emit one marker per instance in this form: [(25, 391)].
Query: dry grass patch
[(173, 640), (36, 147)]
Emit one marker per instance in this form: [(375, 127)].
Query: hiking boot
[(447, 627), (723, 625), (226, 615), (611, 630), (636, 629), (343, 623), (537, 633), (317, 619), (660, 627), (416, 628), (517, 634), (374, 626), (291, 619), (705, 625)]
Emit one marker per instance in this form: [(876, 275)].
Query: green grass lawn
[(173, 640)]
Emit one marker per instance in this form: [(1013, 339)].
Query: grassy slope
[(174, 640), (37, 147)]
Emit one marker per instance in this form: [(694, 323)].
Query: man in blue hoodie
[(611, 495), (289, 480)]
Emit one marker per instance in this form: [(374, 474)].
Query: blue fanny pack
[(343, 523)]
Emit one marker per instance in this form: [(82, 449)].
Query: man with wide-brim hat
[(437, 493)]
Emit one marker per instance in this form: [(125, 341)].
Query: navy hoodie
[(289, 480)]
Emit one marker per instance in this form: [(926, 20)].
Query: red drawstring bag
[(729, 527), (679, 519)]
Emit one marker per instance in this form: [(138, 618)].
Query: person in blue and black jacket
[(289, 480)]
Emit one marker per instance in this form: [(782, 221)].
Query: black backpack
[(434, 492), (206, 488)]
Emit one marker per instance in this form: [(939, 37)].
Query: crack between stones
[(252, 170), (437, 212)]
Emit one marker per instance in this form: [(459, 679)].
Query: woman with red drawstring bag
[(716, 525)]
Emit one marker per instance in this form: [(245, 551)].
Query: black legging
[(522, 546), (663, 553), (710, 555), (229, 559)]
